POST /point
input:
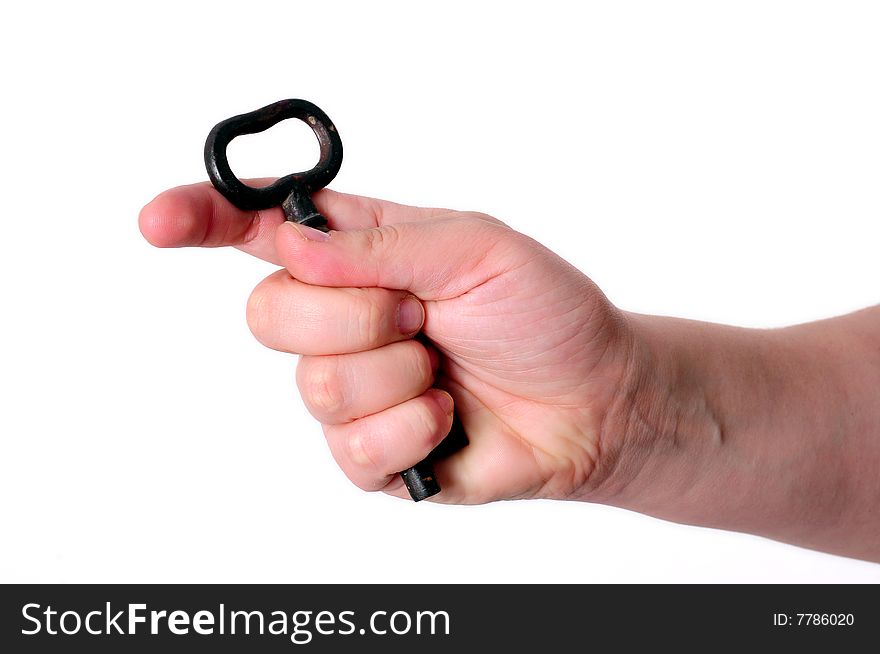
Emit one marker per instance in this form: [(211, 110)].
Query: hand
[(773, 432), (530, 350)]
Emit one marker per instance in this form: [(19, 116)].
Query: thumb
[(434, 259)]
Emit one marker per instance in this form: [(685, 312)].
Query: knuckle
[(381, 240), (368, 319), (366, 449), (426, 425), (341, 450), (422, 363), (321, 386), (261, 311), (383, 247)]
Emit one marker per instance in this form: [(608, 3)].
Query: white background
[(710, 160)]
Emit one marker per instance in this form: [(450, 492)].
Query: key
[(293, 192)]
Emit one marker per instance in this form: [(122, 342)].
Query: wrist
[(765, 431), (662, 422)]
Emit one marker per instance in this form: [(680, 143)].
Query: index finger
[(197, 215)]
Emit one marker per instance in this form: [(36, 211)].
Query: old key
[(293, 192)]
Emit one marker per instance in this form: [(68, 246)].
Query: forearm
[(773, 432)]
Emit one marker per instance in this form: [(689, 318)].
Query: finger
[(338, 389), (496, 463), (372, 450), (198, 215), (435, 259), (285, 314), (484, 471)]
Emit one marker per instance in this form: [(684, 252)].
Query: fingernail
[(445, 401), (410, 315), (309, 233)]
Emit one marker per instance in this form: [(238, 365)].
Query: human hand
[(562, 395), (529, 348)]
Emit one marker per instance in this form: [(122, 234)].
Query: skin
[(563, 395)]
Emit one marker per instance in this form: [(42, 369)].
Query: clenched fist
[(562, 395)]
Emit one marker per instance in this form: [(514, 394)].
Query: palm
[(525, 356)]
